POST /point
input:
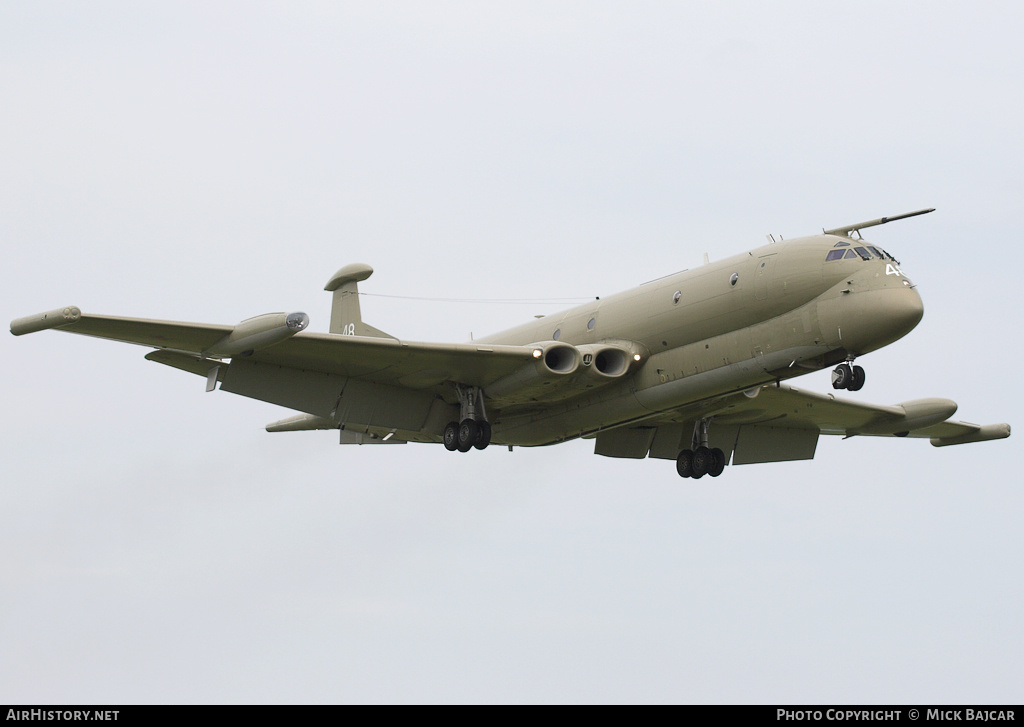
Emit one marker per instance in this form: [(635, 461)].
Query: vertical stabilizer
[(345, 316)]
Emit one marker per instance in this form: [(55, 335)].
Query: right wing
[(776, 423), (784, 405)]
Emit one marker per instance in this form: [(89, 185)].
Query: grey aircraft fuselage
[(773, 313)]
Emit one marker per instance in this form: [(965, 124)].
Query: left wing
[(197, 346), (171, 335), (337, 379)]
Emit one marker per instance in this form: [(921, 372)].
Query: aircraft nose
[(903, 310), (911, 308), (876, 318)]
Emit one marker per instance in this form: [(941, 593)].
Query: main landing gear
[(846, 376), (465, 435), (701, 460), (474, 430)]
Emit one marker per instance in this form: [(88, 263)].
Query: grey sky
[(209, 162)]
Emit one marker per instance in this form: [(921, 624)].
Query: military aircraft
[(688, 367)]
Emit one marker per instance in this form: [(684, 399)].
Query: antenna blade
[(874, 223)]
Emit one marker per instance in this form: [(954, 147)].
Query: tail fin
[(345, 316)]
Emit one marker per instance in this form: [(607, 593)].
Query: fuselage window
[(557, 334), (733, 278), (841, 244), (834, 255), (851, 255), (591, 323), (878, 252), (863, 252)]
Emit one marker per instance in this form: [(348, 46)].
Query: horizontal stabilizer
[(301, 423), (183, 362), (349, 436)]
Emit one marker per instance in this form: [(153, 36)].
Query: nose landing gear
[(848, 377)]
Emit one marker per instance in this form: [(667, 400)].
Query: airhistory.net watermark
[(62, 715)]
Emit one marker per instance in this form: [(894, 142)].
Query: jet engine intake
[(605, 362), (559, 358), (553, 362), (253, 334)]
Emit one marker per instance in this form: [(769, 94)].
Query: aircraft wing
[(782, 423), (171, 335), (197, 347), (785, 405), (398, 363)]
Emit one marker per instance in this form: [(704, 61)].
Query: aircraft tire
[(857, 379), (684, 463), (451, 436), (703, 461), (468, 431), (842, 376), (718, 467), (483, 435)]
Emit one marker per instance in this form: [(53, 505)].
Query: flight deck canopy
[(846, 251)]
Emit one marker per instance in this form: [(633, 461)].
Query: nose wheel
[(848, 377)]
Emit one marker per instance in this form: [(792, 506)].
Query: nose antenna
[(873, 223)]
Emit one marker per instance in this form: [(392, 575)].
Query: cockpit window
[(890, 256), (865, 252)]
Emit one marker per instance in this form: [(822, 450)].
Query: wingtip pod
[(41, 321), (983, 434)]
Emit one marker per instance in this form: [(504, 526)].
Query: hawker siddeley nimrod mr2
[(688, 367)]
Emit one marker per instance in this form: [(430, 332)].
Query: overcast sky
[(214, 161)]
